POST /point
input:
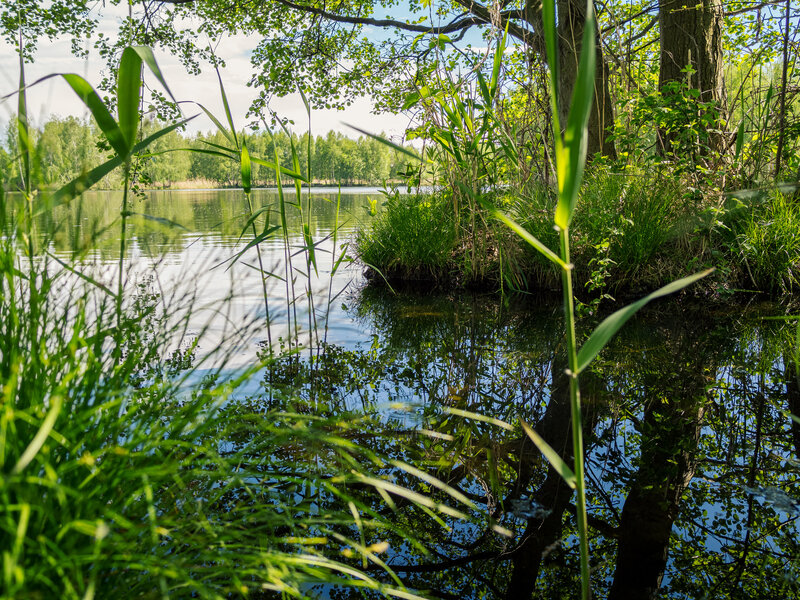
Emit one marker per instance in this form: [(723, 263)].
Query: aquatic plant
[(570, 159)]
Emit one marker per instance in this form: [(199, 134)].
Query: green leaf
[(273, 166), (83, 182), (41, 436), (606, 330), (532, 240), (129, 90), (25, 145), (386, 142), (100, 113), (498, 61), (219, 125), (551, 48), (83, 276), (227, 109), (161, 221), (572, 159), (551, 455), (146, 54), (246, 170)]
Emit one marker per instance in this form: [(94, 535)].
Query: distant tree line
[(67, 146)]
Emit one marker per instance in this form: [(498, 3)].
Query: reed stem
[(575, 410)]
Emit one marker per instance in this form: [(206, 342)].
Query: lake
[(692, 455)]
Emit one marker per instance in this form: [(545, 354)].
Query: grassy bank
[(637, 230)]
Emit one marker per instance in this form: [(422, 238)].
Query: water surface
[(692, 453)]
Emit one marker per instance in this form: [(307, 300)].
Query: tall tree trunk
[(691, 35), (571, 23)]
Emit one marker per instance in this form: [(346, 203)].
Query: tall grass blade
[(551, 48), (39, 439), (245, 168), (111, 130), (83, 182), (551, 455), (146, 54), (23, 132), (532, 240), (572, 158), (386, 142), (498, 61), (129, 91), (227, 109)]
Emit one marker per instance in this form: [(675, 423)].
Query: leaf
[(146, 54), (245, 168), (161, 221), (284, 170), (386, 142), (498, 61), (83, 182), (83, 276), (227, 109), (532, 240), (572, 159), (606, 330), (129, 89), (551, 455), (25, 146), (97, 107), (38, 440), (219, 125), (551, 48)]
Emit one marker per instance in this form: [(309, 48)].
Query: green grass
[(767, 243), (414, 237), (132, 468)]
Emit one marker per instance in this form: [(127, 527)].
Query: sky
[(54, 97)]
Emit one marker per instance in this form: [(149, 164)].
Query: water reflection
[(692, 460)]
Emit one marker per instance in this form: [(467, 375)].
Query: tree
[(325, 48), (691, 51)]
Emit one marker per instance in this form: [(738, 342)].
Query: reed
[(570, 161), (130, 464)]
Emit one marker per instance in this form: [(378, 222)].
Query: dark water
[(692, 456)]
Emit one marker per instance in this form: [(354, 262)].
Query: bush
[(767, 242)]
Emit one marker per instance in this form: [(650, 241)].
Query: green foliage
[(67, 147), (130, 470)]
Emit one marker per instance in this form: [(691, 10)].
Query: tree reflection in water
[(692, 457)]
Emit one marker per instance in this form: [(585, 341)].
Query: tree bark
[(691, 35), (571, 23)]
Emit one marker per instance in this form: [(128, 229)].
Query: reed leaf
[(606, 330), (551, 455), (571, 159), (245, 168), (129, 89), (227, 110)]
